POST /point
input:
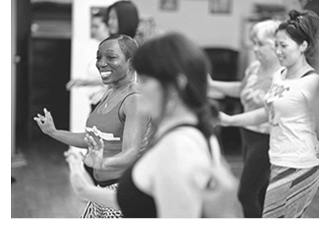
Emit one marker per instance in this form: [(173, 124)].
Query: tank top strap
[(308, 73), (122, 119)]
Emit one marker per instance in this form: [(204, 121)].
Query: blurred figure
[(292, 108), (312, 5), (99, 28), (255, 138), (92, 80), (123, 18), (116, 120), (147, 29), (172, 176)]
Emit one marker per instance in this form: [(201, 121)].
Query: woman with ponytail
[(171, 178), (292, 107)]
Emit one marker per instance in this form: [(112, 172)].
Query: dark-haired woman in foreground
[(171, 178)]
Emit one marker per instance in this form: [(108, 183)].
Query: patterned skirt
[(95, 210), (290, 191)]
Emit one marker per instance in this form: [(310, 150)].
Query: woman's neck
[(296, 70), (180, 115), (122, 83)]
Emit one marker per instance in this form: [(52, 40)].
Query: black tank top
[(133, 202)]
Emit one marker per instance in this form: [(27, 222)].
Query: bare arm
[(317, 118), (83, 185), (312, 98), (134, 130), (254, 117), (231, 89), (47, 126), (82, 82)]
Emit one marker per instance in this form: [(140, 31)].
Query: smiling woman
[(292, 109), (116, 116)]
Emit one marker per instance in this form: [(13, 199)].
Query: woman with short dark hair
[(116, 121)]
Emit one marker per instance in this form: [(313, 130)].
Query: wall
[(83, 48), (194, 19), (13, 77)]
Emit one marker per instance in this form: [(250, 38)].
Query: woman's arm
[(254, 117), (311, 92), (231, 89), (47, 126), (82, 82), (83, 185), (134, 130)]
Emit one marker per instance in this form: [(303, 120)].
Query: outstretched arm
[(134, 130), (254, 117), (231, 89), (47, 126), (83, 185), (82, 82)]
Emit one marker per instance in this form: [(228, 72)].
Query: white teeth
[(105, 74)]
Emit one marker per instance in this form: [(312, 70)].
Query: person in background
[(92, 81), (312, 5), (116, 120), (147, 29), (292, 107), (255, 138), (172, 175), (123, 18), (120, 18)]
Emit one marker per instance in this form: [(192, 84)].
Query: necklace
[(115, 96)]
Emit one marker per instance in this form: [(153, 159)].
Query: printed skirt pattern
[(95, 210), (290, 191)]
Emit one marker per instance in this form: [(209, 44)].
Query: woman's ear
[(130, 71), (182, 81), (129, 63), (304, 46)]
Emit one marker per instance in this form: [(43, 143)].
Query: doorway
[(42, 68)]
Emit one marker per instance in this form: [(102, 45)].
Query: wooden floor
[(42, 189)]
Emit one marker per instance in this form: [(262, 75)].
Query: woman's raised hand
[(95, 150), (45, 122), (75, 160)]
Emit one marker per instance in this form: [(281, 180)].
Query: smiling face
[(287, 50), (111, 62), (113, 22)]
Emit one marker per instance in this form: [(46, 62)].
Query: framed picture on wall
[(97, 16), (168, 5), (220, 6)]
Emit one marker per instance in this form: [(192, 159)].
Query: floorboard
[(43, 190)]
